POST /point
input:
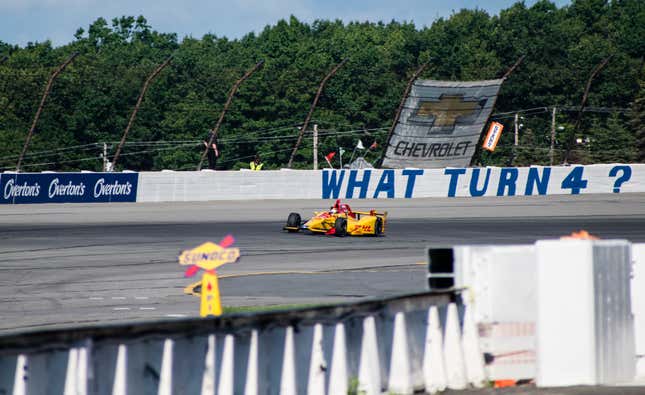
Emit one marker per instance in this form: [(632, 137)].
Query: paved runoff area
[(73, 264)]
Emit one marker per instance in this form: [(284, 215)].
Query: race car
[(340, 221)]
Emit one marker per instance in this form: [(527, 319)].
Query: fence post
[(434, 370), (317, 365), (400, 380), (455, 366), (338, 375), (369, 369)]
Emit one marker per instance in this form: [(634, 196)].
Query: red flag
[(329, 157), (373, 146)]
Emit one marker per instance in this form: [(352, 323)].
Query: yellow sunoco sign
[(209, 256)]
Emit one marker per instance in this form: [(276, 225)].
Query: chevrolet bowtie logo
[(444, 113)]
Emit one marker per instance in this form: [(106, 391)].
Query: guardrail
[(168, 186), (415, 342)]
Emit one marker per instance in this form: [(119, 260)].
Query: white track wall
[(383, 183), (417, 343), (638, 305), (566, 312)]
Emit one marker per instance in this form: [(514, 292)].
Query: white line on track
[(121, 308), (96, 298), (147, 308), (176, 315), (118, 298), (141, 297)]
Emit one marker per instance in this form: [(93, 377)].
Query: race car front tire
[(340, 226), (293, 221)]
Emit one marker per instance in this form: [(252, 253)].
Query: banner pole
[(400, 108), (478, 150), (40, 107), (592, 76), (229, 99), (133, 115), (312, 108)]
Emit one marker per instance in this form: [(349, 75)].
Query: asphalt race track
[(71, 265)]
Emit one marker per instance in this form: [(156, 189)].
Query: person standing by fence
[(256, 164), (213, 152)]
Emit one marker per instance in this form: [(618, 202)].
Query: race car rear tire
[(340, 227), (294, 221), (378, 227)]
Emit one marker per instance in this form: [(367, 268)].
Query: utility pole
[(226, 105), (312, 108), (40, 107), (516, 140), (552, 137), (105, 160), (517, 131), (136, 109), (315, 146)]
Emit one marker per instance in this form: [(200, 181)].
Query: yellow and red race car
[(340, 220)]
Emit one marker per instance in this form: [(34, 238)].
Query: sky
[(23, 21)]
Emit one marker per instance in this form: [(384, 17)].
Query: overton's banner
[(16, 188), (441, 123)]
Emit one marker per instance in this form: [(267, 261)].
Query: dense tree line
[(91, 101)]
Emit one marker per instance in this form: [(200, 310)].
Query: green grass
[(260, 309)]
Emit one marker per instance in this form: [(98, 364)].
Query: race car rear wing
[(373, 212), (382, 215)]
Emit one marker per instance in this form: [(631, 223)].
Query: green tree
[(637, 122), (91, 101)]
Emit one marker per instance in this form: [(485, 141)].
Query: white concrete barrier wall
[(585, 327), (638, 306), (384, 183), (566, 312), (394, 351), (502, 294)]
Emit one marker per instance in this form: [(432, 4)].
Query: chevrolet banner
[(441, 123)]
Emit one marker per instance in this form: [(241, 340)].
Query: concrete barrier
[(562, 312), (585, 328), (401, 345), (387, 184), (206, 185), (638, 305)]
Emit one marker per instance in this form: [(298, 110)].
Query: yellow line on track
[(190, 289)]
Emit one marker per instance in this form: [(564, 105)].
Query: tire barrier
[(419, 342), (562, 312)]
